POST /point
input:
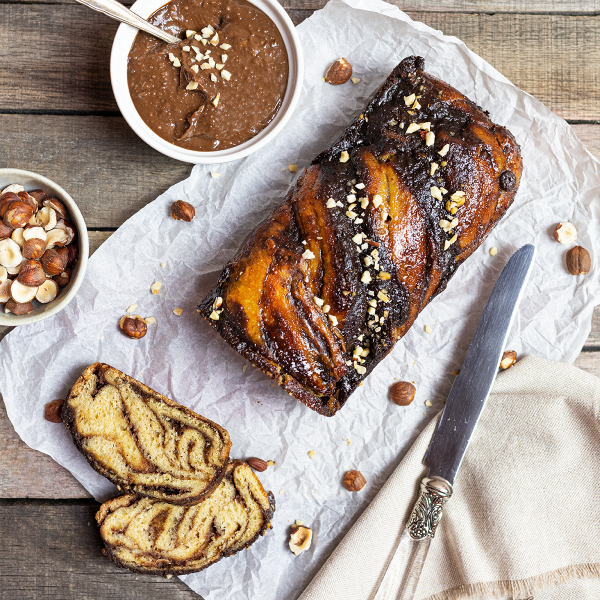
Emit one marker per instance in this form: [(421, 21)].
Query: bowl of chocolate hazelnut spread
[(226, 89)]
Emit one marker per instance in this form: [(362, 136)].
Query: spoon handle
[(116, 10)]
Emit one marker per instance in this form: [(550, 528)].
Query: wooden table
[(58, 117)]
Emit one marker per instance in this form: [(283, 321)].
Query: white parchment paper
[(183, 358)]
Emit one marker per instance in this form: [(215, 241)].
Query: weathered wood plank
[(71, 73), (54, 552), (109, 171)]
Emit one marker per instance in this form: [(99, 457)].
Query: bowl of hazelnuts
[(43, 247)]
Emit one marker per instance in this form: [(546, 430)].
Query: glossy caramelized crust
[(142, 441), (149, 536), (326, 286)]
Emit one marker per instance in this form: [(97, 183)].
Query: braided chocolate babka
[(149, 536), (372, 231), (142, 441)]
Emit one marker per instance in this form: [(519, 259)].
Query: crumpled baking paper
[(182, 357)]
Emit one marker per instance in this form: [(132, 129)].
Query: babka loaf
[(372, 231), (142, 441), (150, 536)]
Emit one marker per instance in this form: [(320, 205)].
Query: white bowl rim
[(84, 248), (118, 75)]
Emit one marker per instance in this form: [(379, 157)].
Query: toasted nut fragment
[(10, 253), (509, 358), (402, 393), (5, 231), (258, 464), (18, 308), (5, 290), (300, 539), (57, 237), (3, 276), (150, 320), (34, 248), (565, 233), (31, 274), (133, 326), (64, 278), (52, 411), (354, 481), (47, 291), (344, 156), (339, 72), (53, 262), (155, 287), (18, 214), (355, 80), (182, 211), (39, 195), (427, 329), (177, 311), (5, 201), (29, 199), (17, 236), (68, 229), (34, 232), (22, 293), (46, 217), (579, 261)]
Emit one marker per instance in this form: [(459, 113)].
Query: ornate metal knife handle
[(427, 511)]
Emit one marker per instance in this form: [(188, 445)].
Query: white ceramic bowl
[(33, 181), (118, 75)]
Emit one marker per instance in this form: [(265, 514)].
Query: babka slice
[(372, 231), (142, 441), (150, 536)]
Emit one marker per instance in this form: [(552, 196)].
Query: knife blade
[(459, 418)]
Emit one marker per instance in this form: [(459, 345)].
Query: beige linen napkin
[(524, 519)]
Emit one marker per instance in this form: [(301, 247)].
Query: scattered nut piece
[(131, 308), (308, 255), (339, 72), (354, 481), (312, 453), (293, 168), (271, 463), (258, 464), (177, 311), (429, 138), (226, 75), (192, 85), (155, 287), (182, 211), (509, 358), (427, 329), (133, 326), (52, 411), (355, 80), (413, 127), (215, 175), (300, 538), (149, 320), (579, 261), (344, 156), (402, 393), (444, 151), (493, 251), (215, 101), (565, 233)]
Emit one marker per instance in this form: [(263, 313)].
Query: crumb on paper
[(177, 311), (163, 264), (149, 320), (355, 80), (271, 463), (312, 453), (428, 403), (493, 251), (427, 329), (155, 287), (281, 491), (293, 168), (215, 175), (131, 308)]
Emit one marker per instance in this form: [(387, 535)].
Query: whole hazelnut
[(565, 233), (31, 273), (339, 72), (53, 262), (509, 358), (19, 308), (354, 481), (52, 411), (18, 214), (5, 201), (73, 254), (402, 393), (182, 211), (133, 326), (300, 539), (63, 278), (258, 464), (5, 231), (579, 261), (34, 248)]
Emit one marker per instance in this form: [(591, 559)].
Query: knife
[(451, 437)]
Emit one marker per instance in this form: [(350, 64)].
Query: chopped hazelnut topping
[(368, 261), (326, 308), (366, 277), (360, 369), (215, 40), (444, 151), (223, 58), (430, 138), (219, 66), (434, 167), (205, 66), (426, 126), (412, 128), (189, 33), (318, 301), (416, 105), (384, 275), (408, 100), (225, 46), (177, 311), (333, 320), (351, 215), (208, 31), (312, 453), (382, 296), (150, 320), (377, 200), (186, 49), (360, 186), (292, 168), (214, 174), (330, 203), (214, 315), (344, 156), (215, 102), (436, 192), (226, 75), (195, 68), (357, 239), (213, 77), (211, 61), (307, 255)]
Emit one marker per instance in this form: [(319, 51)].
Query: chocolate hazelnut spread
[(221, 85)]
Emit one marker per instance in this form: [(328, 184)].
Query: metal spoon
[(117, 11)]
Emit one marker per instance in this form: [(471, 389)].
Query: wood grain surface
[(58, 117)]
